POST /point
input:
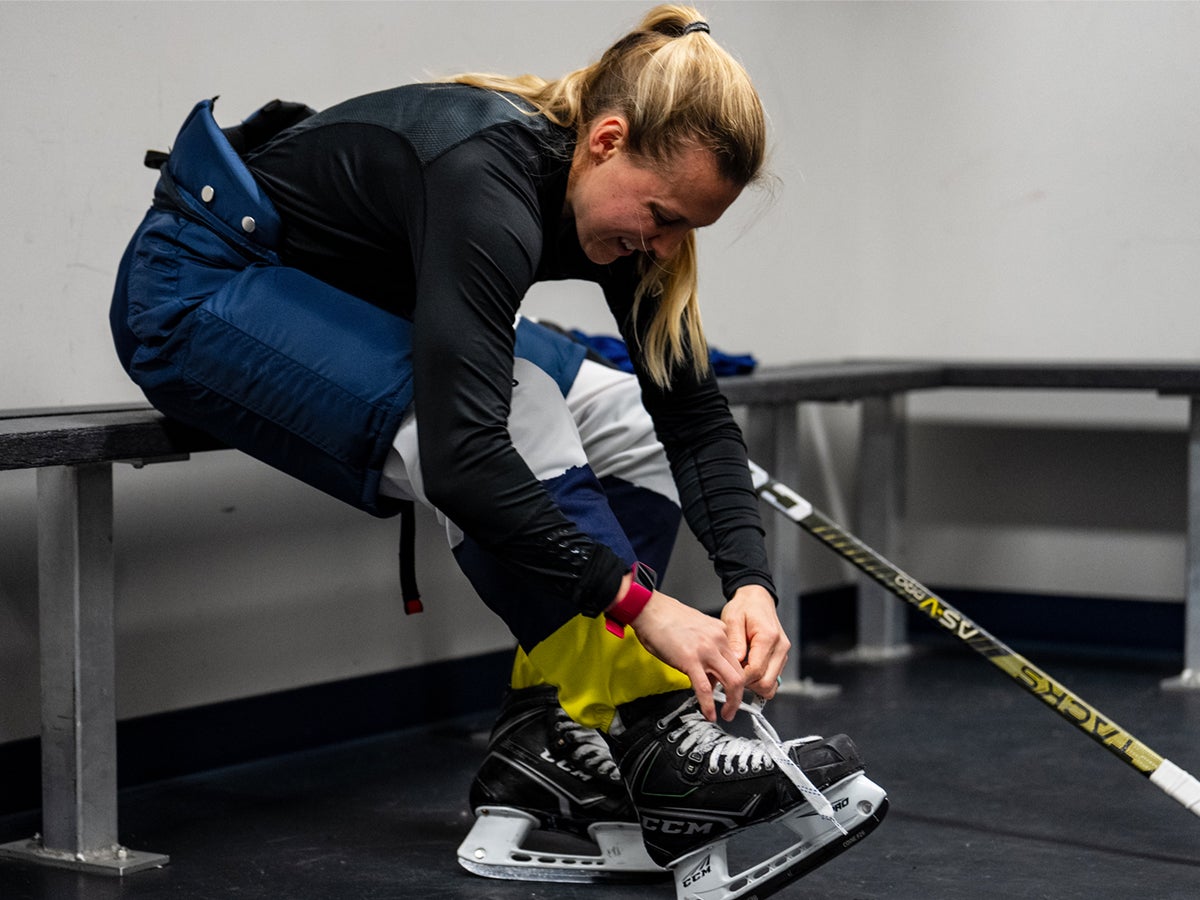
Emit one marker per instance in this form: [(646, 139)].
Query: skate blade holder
[(859, 806), (493, 848)]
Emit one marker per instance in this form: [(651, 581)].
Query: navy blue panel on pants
[(600, 510), (634, 522), (294, 372), (556, 355), (531, 611), (650, 521)]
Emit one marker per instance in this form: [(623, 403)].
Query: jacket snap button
[(247, 224), (207, 193)]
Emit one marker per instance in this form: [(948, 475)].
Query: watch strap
[(633, 601)]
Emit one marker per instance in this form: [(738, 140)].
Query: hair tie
[(695, 26)]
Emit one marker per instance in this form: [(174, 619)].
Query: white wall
[(1032, 188), (981, 180)]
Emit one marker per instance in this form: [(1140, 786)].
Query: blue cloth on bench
[(614, 350)]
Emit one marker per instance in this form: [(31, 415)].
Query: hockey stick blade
[(1170, 778)]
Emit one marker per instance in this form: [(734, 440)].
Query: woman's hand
[(757, 638), (697, 645)]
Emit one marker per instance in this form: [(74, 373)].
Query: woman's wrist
[(637, 587)]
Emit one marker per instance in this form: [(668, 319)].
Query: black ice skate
[(545, 771), (694, 786)]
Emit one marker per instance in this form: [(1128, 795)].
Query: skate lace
[(587, 747), (727, 753)]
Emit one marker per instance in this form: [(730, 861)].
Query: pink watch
[(625, 610)]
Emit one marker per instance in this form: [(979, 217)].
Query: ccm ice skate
[(695, 786), (546, 773)]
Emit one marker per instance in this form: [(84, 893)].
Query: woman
[(335, 293)]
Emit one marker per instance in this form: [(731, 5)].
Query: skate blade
[(859, 806), (493, 849)]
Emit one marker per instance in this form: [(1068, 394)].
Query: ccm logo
[(675, 826), (697, 873)]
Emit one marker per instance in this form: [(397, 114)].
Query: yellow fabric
[(594, 670)]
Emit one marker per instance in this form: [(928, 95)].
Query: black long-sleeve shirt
[(444, 203)]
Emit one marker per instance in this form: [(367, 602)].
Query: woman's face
[(624, 204)]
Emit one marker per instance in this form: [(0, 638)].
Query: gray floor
[(993, 796)]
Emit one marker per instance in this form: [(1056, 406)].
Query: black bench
[(74, 450), (880, 387)]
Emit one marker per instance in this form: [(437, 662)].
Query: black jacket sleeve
[(482, 240), (707, 455)]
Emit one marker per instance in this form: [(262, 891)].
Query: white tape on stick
[(1178, 784)]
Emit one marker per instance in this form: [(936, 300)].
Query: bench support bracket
[(882, 628), (773, 434), (1189, 678), (77, 640)]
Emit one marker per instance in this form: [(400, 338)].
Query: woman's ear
[(607, 136)]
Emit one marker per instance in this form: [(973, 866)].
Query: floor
[(992, 796)]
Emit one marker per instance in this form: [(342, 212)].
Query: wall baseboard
[(182, 742), (1081, 626)]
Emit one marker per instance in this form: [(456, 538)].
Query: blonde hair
[(676, 87)]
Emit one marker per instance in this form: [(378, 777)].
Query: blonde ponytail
[(676, 87)]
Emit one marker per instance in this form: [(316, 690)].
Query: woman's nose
[(664, 244)]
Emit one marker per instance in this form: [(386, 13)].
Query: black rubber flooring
[(992, 796)]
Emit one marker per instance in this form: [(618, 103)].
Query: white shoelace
[(749, 754)]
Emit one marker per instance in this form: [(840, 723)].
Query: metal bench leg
[(77, 638), (1190, 677), (773, 435), (882, 629)]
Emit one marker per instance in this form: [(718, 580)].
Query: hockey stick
[(1177, 783)]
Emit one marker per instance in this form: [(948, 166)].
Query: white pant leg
[(540, 426), (616, 431)]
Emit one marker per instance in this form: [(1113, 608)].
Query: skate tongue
[(778, 752)]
